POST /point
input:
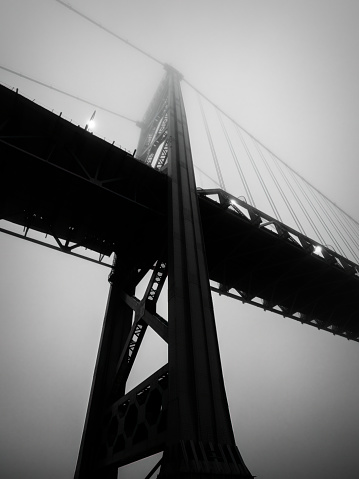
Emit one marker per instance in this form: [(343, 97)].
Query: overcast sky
[(285, 70)]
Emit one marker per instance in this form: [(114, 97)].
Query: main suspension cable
[(268, 150), (109, 31), (66, 93), (77, 12)]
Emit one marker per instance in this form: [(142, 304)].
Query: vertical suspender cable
[(330, 219), (284, 176), (348, 220), (331, 207), (274, 207), (277, 160), (351, 223), (285, 199), (210, 141), (234, 156), (259, 176), (205, 174), (329, 202), (319, 216), (304, 210)]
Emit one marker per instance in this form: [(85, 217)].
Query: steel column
[(200, 438), (116, 327), (182, 408)]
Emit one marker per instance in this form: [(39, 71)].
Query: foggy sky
[(288, 72)]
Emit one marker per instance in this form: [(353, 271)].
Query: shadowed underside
[(60, 180)]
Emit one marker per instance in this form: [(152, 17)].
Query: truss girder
[(80, 211), (131, 425), (134, 426), (251, 256), (315, 287), (153, 144), (61, 180), (144, 315)]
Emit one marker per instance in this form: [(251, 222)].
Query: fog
[(288, 72)]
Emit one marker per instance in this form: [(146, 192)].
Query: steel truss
[(182, 408), (287, 234), (154, 140), (55, 183), (61, 247), (250, 256)]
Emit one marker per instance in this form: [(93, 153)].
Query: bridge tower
[(182, 408)]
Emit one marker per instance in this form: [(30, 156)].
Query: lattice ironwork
[(182, 408), (153, 144), (249, 255), (336, 274), (135, 425)]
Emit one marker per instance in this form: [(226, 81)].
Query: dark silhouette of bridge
[(64, 182)]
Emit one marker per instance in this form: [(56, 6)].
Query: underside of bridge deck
[(61, 180)]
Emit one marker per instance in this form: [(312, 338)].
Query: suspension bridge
[(270, 237)]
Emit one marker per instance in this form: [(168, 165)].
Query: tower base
[(195, 459)]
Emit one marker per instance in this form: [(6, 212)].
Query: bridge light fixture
[(317, 249), (91, 124)]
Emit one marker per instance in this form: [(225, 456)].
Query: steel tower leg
[(181, 409), (116, 327), (200, 440)]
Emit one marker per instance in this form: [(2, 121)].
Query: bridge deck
[(59, 179)]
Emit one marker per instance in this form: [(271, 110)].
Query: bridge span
[(65, 182)]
